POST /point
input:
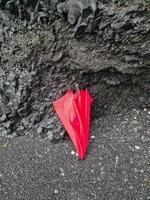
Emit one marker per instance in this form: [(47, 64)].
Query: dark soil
[(40, 60), (48, 47), (116, 165)]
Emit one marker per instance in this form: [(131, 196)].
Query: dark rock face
[(120, 29), (41, 56)]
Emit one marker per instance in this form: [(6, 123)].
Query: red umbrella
[(73, 110)]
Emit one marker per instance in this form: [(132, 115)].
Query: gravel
[(116, 165), (48, 47), (40, 60)]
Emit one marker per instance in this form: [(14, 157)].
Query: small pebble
[(25, 122), (130, 187), (39, 129), (149, 112), (135, 170), (62, 172), (73, 152), (50, 135), (57, 57), (117, 159), (55, 191), (142, 137), (92, 137), (131, 160), (137, 147), (20, 128), (3, 117), (7, 124)]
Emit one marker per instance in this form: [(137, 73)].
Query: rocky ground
[(116, 165), (47, 47), (42, 56)]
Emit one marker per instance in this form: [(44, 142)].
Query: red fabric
[(73, 109)]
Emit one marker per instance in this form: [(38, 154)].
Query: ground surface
[(117, 165), (107, 50)]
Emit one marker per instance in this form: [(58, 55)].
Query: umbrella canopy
[(73, 109)]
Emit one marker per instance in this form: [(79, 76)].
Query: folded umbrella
[(73, 109)]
